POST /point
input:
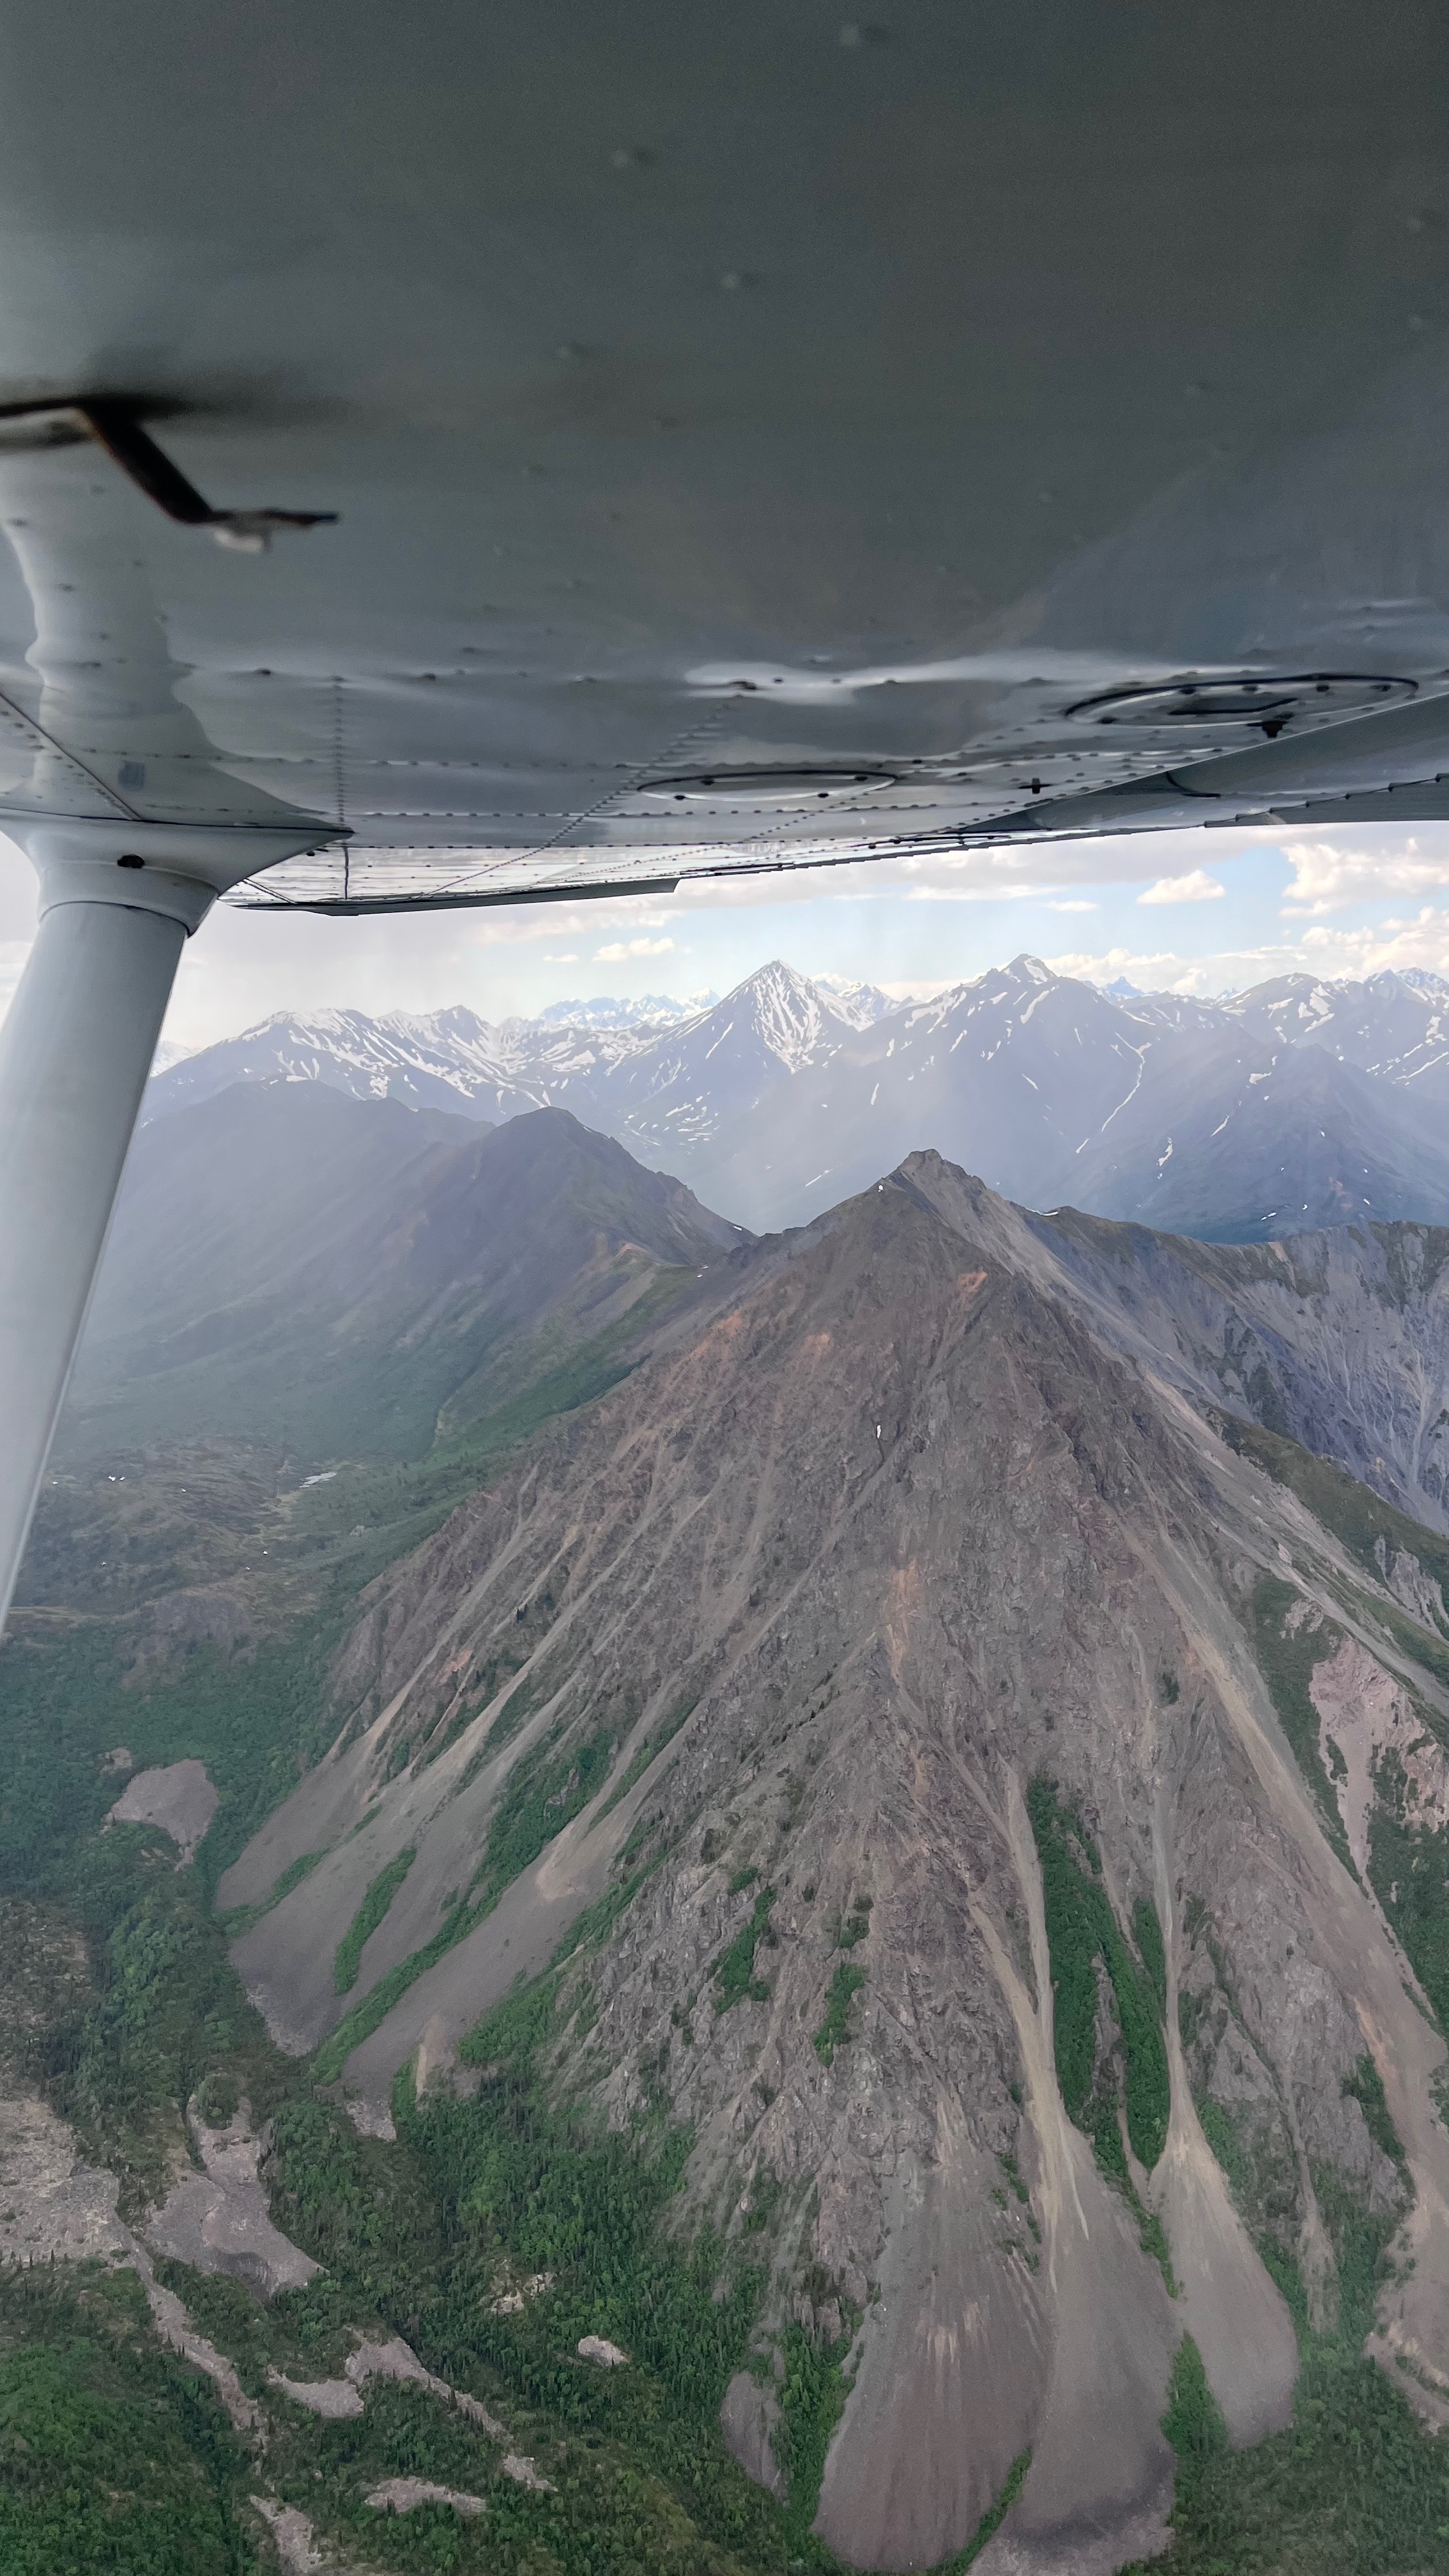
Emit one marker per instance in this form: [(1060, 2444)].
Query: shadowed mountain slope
[(979, 1771), (347, 1276)]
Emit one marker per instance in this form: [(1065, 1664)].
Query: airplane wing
[(757, 438), (472, 454)]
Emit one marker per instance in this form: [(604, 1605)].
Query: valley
[(857, 1818)]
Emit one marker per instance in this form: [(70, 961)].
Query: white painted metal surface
[(117, 906), (711, 392), (75, 1051), (758, 440)]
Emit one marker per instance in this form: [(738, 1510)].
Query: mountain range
[(857, 1819), (1296, 1105), (926, 1740)]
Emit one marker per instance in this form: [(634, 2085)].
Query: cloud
[(921, 988), (1380, 948), (1025, 871), (1331, 873), (1385, 947), (1196, 887), (1078, 907), (1159, 970), (570, 957), (619, 950)]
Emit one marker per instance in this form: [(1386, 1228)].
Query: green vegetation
[(812, 2398), (1194, 2420), (538, 1801), (735, 1978), (858, 1925), (1353, 2487), (413, 2233), (1367, 1528), (113, 2455), (1221, 2135), (369, 1915), (1365, 2085), (1286, 1659), (240, 1918), (1358, 1517), (832, 2034), (160, 2015), (1147, 1933), (1082, 1929), (511, 2185), (255, 1719), (1409, 1873), (992, 2519), (654, 1742)]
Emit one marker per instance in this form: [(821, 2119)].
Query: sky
[(1204, 912)]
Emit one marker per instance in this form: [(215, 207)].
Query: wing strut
[(117, 903)]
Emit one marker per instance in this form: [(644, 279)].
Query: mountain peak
[(625, 1011)]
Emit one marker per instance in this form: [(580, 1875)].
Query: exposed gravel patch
[(52, 2204), (218, 2220), (401, 2495), (178, 1797)]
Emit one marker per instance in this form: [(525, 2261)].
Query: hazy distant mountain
[(1395, 1025), (860, 1004), (1298, 1104), (291, 1265), (447, 1060), (610, 1011), (605, 1064)]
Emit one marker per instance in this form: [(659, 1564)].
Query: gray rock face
[(178, 1797), (217, 2220), (928, 1516)]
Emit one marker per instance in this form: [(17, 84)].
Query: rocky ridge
[(909, 1657)]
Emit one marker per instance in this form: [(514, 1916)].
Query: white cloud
[(1076, 907), (570, 957), (1196, 887), (921, 988), (1330, 873), (620, 949), (1159, 970), (1385, 947), (1024, 871)]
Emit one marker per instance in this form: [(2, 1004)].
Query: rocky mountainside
[(344, 1277), (935, 1744), (1297, 1105)]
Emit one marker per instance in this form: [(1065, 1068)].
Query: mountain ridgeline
[(830, 1851), (291, 1265), (1297, 1105), (935, 1743)]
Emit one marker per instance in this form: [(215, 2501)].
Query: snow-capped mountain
[(646, 1010), (1295, 1105), (648, 1083), (442, 1060), (1397, 1025), (859, 1004)]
